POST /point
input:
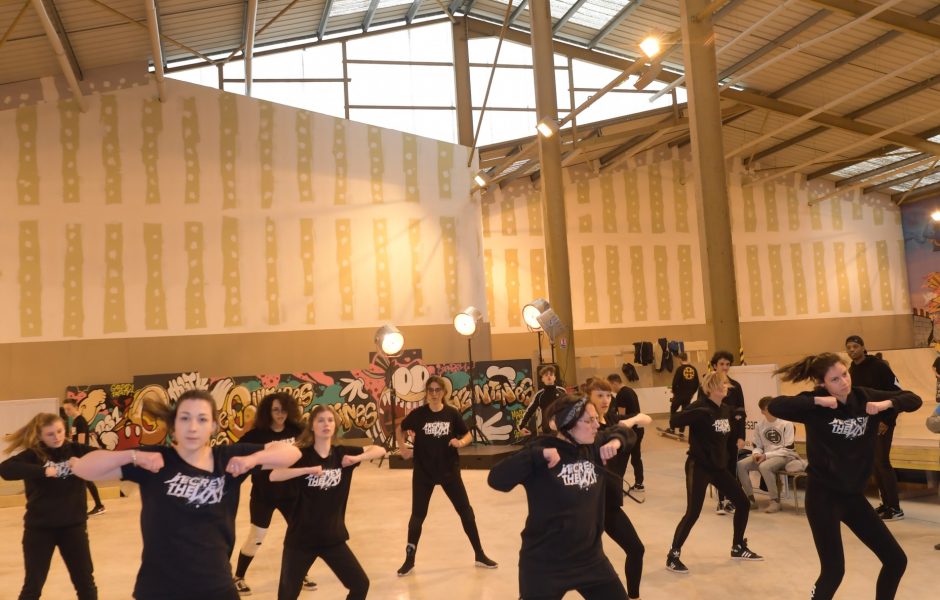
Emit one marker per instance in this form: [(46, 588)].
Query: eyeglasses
[(590, 420)]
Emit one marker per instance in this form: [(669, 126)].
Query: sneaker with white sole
[(892, 514), (721, 508), (409, 564), (674, 564), (483, 561), (309, 585), (242, 588), (742, 552)]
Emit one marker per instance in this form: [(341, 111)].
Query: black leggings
[(677, 406), (421, 490), (732, 467), (621, 530), (696, 482), (295, 562), (38, 546), (636, 459), (609, 590), (93, 490), (885, 476), (825, 510)]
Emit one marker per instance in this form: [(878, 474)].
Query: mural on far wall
[(370, 401), (922, 250)]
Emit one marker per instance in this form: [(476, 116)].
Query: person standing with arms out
[(544, 398), (79, 432), (55, 504), (721, 364), (773, 449), (561, 542), (710, 421), (626, 405), (684, 385), (277, 420), (438, 431), (872, 372), (617, 524), (841, 426), (317, 524), (189, 495)]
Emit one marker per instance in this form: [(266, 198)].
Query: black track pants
[(885, 476), (38, 546), (826, 510), (295, 562), (421, 490), (618, 526), (696, 483), (636, 458)]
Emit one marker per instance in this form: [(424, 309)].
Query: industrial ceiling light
[(531, 312), (389, 340), (547, 127), (480, 179), (935, 215), (467, 322), (651, 46)]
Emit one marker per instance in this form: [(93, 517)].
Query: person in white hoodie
[(773, 450)]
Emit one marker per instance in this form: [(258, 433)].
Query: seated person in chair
[(773, 449)]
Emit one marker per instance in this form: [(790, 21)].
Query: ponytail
[(28, 436), (812, 368), (160, 411)]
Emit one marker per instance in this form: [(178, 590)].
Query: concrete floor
[(378, 515)]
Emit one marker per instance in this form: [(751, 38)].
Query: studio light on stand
[(390, 342), (553, 327), (530, 314), (467, 323)]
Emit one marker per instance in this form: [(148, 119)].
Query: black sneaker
[(309, 585), (484, 562), (242, 588), (674, 564), (409, 564), (729, 507), (892, 514), (881, 509), (720, 510), (98, 510), (639, 487), (742, 552)]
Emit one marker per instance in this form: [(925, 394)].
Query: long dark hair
[(813, 367), (288, 403), (307, 437), (28, 436), (166, 413)]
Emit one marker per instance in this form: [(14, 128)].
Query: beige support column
[(708, 164), (553, 197), (462, 84)]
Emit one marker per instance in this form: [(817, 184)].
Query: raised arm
[(368, 453), (106, 464), (512, 471), (687, 417), (19, 466), (637, 420), (793, 408), (902, 401)]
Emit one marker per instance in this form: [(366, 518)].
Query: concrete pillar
[(708, 165), (553, 198)]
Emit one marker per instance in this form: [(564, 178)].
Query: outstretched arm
[(274, 455), (106, 464), (368, 453), (517, 468), (637, 420)]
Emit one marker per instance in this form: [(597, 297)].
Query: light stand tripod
[(478, 436)]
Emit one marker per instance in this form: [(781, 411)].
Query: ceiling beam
[(892, 166), (568, 14), (156, 50), (56, 20), (775, 43), (613, 23), (324, 19), (919, 193), (370, 14), (14, 22), (517, 11), (881, 187), (251, 20), (413, 10), (63, 51), (891, 18)]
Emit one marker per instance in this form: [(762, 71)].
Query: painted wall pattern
[(635, 257), (494, 394), (213, 213)]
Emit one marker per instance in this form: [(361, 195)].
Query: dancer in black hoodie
[(710, 420), (55, 505), (543, 400), (721, 364), (841, 426), (561, 542), (616, 522)]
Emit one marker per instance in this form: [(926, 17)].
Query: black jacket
[(710, 426)]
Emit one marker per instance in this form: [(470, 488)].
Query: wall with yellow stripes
[(634, 249), (217, 213)]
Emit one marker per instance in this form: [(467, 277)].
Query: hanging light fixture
[(389, 340), (467, 322)]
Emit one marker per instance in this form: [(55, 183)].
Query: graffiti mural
[(370, 402)]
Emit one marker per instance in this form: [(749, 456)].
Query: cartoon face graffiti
[(408, 380), (236, 410)]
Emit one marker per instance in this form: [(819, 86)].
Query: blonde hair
[(307, 437), (28, 436), (714, 382)]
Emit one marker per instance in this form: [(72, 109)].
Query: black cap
[(855, 338)]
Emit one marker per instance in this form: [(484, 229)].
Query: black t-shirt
[(626, 401), (840, 442), (50, 501), (261, 484), (187, 522), (684, 383), (80, 427), (710, 426), (319, 516), (561, 541), (875, 373), (435, 458)]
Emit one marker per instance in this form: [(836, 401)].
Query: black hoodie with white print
[(840, 441), (709, 426)]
